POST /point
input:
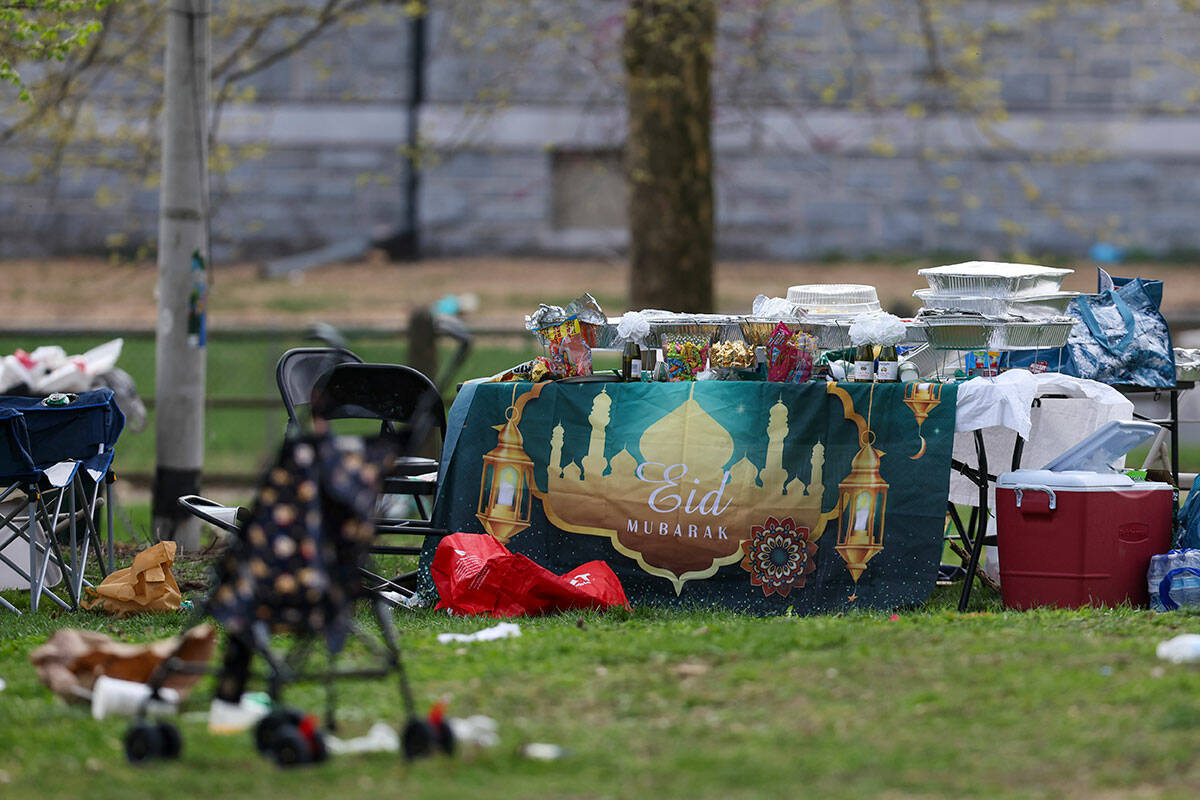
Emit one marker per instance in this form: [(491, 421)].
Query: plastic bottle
[(864, 363), (1183, 588)]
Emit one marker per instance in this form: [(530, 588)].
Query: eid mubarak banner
[(758, 496)]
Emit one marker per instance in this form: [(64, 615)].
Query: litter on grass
[(1184, 648), (503, 630)]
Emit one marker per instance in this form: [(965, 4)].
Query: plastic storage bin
[(1077, 532)]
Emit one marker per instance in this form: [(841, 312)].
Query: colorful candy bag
[(570, 347), (781, 356), (569, 334), (790, 356), (684, 358)]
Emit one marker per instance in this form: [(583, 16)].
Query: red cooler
[(1079, 532)]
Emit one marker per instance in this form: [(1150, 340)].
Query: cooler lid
[(1097, 452), (1072, 480), (1063, 479)]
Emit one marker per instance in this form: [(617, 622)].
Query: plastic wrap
[(880, 329), (634, 326), (776, 307)]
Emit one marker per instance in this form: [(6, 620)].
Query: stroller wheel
[(444, 737), (266, 733), (170, 740), (292, 748), (143, 742), (317, 747), (418, 739)]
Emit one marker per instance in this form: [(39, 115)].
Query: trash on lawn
[(2, 684), (504, 630), (71, 660), (540, 751), (381, 738), (475, 732), (1183, 648), (146, 585), (476, 574), (116, 697), (225, 717)]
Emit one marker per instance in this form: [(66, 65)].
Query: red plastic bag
[(475, 574)]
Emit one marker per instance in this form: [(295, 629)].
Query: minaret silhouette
[(593, 462)]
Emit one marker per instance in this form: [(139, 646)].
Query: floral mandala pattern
[(779, 556)]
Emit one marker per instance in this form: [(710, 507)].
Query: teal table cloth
[(760, 497)]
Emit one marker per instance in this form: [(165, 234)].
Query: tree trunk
[(668, 64), (180, 344)]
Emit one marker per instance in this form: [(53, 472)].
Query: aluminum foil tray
[(1036, 307), (979, 333), (835, 334), (712, 327), (756, 330), (989, 279)]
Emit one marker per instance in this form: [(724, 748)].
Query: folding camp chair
[(408, 406), (55, 458)]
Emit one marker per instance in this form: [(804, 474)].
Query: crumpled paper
[(71, 660), (503, 630), (881, 329), (146, 585)]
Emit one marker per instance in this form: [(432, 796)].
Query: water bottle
[(1178, 571)]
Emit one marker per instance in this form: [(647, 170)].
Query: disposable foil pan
[(979, 333), (1038, 307), (709, 327), (756, 330), (987, 279)]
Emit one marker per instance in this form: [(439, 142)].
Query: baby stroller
[(293, 566)]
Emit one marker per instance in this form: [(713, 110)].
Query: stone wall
[(1030, 127)]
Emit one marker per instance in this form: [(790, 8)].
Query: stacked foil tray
[(981, 305)]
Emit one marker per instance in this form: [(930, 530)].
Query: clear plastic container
[(835, 299)]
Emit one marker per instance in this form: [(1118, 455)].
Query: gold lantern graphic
[(862, 495), (862, 498), (506, 488), (921, 398)]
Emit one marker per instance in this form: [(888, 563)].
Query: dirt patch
[(96, 293)]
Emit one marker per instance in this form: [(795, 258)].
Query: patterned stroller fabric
[(295, 564)]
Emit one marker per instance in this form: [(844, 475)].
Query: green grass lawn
[(695, 704)]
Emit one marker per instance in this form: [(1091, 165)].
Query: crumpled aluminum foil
[(584, 307)]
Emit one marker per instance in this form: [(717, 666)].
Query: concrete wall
[(830, 134)]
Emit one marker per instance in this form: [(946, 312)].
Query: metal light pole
[(182, 273)]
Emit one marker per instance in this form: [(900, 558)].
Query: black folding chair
[(408, 406), (297, 373)]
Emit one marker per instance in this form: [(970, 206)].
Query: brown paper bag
[(146, 585), (71, 660)]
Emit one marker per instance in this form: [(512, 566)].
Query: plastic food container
[(835, 299), (994, 279), (1077, 532)]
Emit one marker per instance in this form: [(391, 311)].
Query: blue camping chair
[(56, 454)]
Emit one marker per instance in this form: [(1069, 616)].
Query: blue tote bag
[(1119, 338)]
